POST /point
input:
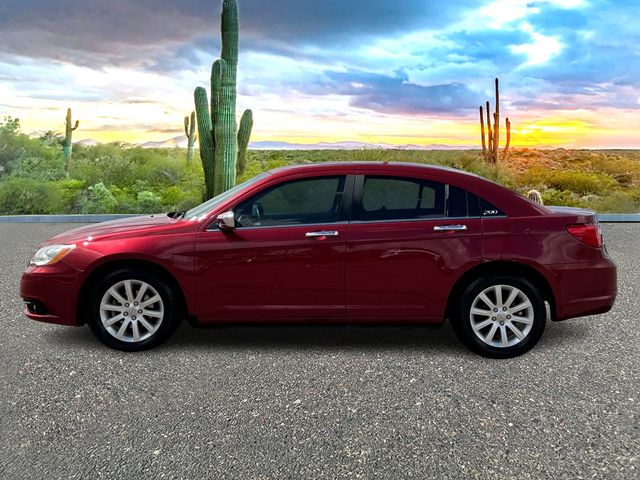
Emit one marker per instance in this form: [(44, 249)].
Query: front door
[(408, 242), (285, 259)]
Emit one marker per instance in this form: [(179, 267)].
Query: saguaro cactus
[(190, 132), (217, 130), (68, 140), (491, 143)]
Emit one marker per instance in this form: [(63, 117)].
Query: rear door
[(408, 241)]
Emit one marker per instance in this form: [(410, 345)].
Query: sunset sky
[(399, 72)]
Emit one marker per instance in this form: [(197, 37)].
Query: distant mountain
[(181, 142), (87, 142), (352, 145), (175, 142)]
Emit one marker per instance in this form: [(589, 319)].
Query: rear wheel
[(500, 316), (132, 310)]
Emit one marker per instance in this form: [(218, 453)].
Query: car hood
[(148, 224)]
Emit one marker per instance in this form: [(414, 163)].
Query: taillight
[(587, 233)]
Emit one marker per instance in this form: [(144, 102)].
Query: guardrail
[(604, 218)]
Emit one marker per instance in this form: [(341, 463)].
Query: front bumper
[(51, 293), (585, 289)]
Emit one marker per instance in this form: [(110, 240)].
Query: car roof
[(382, 167)]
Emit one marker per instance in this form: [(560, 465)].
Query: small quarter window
[(479, 207)]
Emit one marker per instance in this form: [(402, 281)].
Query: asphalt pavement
[(315, 403)]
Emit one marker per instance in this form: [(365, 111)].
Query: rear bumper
[(585, 290), (54, 291)]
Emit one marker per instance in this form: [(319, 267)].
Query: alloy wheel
[(131, 310), (501, 316)]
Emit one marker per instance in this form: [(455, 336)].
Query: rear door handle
[(450, 228), (322, 233)]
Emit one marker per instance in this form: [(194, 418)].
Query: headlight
[(51, 254)]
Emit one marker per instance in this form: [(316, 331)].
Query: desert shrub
[(581, 183), (624, 170), (47, 167), (148, 202), (99, 199), (102, 163), (258, 162), (125, 199), (28, 157), (551, 196), (29, 196), (71, 197), (619, 202), (172, 195)]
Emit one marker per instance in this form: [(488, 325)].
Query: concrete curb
[(604, 218), (619, 217)]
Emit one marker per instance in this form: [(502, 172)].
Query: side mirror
[(226, 221)]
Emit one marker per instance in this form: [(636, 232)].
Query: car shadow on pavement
[(317, 336)]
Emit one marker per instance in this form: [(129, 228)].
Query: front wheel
[(132, 310), (500, 316)]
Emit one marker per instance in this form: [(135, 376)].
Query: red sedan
[(352, 242)]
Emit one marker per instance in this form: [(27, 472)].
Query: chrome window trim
[(341, 222), (439, 219)]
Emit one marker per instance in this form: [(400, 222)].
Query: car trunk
[(582, 215)]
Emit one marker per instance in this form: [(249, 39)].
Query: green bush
[(49, 167), (28, 196), (581, 183), (71, 197), (148, 202), (551, 196), (98, 199), (619, 202)]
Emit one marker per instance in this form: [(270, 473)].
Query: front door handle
[(322, 234), (450, 228)]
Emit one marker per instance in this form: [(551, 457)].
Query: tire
[(513, 329), (114, 306)]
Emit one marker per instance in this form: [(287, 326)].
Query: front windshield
[(197, 213)]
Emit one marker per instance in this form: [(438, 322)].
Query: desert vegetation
[(120, 178)]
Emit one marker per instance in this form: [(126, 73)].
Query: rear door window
[(456, 202), (396, 198)]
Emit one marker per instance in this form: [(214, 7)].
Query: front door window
[(298, 202)]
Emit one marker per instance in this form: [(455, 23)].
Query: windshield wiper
[(177, 215)]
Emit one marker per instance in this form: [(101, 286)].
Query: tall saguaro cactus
[(222, 145), (491, 143), (68, 134), (190, 132)]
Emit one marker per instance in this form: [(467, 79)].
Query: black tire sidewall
[(168, 322), (462, 322)]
